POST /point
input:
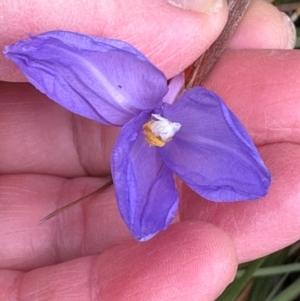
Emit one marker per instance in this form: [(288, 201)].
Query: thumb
[(171, 33)]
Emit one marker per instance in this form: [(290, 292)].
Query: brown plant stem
[(61, 209), (205, 63)]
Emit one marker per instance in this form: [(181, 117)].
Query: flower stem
[(205, 63)]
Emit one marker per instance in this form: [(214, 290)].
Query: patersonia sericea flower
[(196, 138)]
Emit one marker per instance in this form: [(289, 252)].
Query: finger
[(266, 104), (178, 264), (260, 87), (151, 27), (264, 26), (264, 226), (88, 228)]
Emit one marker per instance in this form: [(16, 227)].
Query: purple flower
[(198, 138)]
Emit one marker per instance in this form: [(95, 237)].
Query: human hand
[(49, 155)]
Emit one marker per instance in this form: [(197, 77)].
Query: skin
[(50, 157)]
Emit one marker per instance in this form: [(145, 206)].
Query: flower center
[(158, 132)]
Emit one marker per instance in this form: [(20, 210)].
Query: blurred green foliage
[(272, 278)]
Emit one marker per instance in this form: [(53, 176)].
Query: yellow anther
[(151, 138)]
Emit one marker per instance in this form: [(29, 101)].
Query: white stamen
[(164, 128)]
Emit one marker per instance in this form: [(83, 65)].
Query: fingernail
[(205, 6), (291, 31)]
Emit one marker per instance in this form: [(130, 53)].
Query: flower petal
[(175, 85), (105, 80), (145, 188), (212, 152)]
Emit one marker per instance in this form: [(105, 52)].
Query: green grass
[(272, 278)]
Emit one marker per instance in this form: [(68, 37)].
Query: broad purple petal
[(144, 186), (105, 80), (212, 152)]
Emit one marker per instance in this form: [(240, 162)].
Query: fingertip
[(189, 261), (264, 27), (178, 263)]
